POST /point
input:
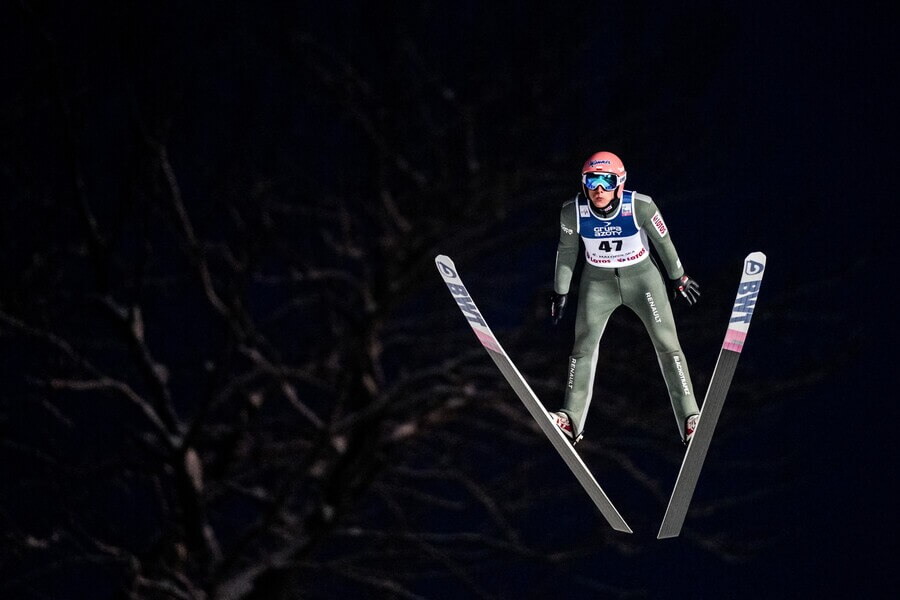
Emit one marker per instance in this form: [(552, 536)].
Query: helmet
[(604, 162)]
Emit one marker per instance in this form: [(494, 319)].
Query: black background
[(757, 126)]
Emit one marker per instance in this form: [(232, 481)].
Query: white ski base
[(447, 269), (689, 474)]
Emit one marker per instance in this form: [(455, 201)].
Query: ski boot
[(690, 425), (561, 420)]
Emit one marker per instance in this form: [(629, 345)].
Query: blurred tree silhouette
[(232, 369)]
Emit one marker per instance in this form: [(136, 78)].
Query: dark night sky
[(787, 122)]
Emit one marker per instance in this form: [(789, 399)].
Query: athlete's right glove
[(687, 288), (557, 306)]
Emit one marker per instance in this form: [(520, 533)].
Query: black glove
[(687, 288), (557, 306)]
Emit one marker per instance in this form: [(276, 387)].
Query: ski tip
[(667, 536), (443, 259), (445, 267), (754, 264), (757, 256), (624, 528)]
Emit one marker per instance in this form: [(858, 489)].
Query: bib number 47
[(606, 245)]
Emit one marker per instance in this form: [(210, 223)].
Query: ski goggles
[(607, 181)]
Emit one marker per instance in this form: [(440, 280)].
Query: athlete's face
[(600, 197)]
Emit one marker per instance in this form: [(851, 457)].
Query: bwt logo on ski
[(448, 271), (746, 301), (461, 295), (607, 230), (753, 268)]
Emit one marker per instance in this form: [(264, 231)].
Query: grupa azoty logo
[(607, 230)]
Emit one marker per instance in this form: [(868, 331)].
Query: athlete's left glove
[(687, 288), (557, 306)]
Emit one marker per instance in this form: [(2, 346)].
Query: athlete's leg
[(598, 297), (646, 295)]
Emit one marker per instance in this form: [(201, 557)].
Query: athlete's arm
[(567, 250), (650, 220)]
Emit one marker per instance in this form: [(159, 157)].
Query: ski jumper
[(618, 270)]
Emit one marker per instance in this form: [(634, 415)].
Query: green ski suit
[(619, 270)]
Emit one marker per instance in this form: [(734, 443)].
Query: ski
[(741, 313), (476, 320)]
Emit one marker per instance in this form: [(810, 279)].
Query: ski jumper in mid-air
[(614, 226)]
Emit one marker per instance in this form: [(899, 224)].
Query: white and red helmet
[(603, 169)]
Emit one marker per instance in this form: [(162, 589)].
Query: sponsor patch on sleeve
[(659, 224)]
